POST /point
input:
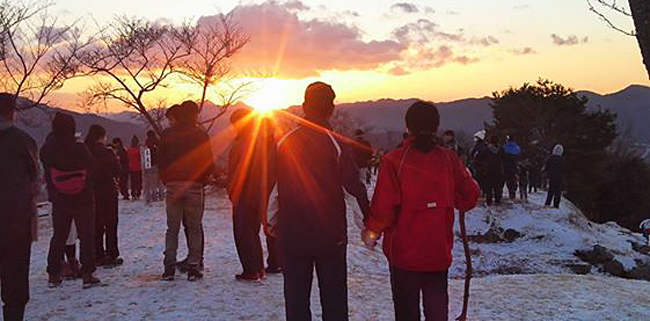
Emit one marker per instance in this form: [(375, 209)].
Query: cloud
[(398, 71), (282, 42), (524, 51), (431, 47), (405, 7), (485, 42), (569, 40)]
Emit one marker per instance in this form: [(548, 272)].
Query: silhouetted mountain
[(632, 105), (37, 122), (383, 119)]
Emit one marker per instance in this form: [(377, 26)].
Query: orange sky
[(383, 49)]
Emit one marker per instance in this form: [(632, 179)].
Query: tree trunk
[(641, 14)]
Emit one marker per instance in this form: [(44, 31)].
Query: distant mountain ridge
[(383, 119), (37, 123)]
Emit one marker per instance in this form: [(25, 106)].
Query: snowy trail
[(134, 291)]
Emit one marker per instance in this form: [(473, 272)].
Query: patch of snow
[(134, 291)]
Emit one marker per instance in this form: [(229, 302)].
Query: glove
[(369, 239)]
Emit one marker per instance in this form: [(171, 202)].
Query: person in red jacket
[(419, 186), (135, 168)]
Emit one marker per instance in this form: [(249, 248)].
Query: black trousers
[(84, 220), (106, 221), (273, 260), (555, 189), (136, 184), (331, 271), (247, 223), (494, 191), (15, 252), (407, 287), (124, 184), (512, 185)]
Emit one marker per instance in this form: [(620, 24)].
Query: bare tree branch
[(611, 5), (37, 51)]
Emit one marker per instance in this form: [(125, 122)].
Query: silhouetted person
[(511, 153), (135, 167), (123, 160), (362, 155), (105, 173), (68, 165), (314, 168), (535, 178), (492, 159), (449, 140), (419, 187), (477, 165), (185, 165), (18, 169), (152, 187), (249, 175), (556, 170)]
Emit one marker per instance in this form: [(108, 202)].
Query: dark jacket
[(556, 168), (185, 155), (152, 144), (313, 169), (414, 204), (106, 168), (18, 171), (511, 153), (66, 154), (250, 164), (491, 160), (122, 158)]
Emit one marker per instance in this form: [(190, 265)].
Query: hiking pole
[(468, 263)]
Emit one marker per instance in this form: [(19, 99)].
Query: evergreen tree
[(544, 114)]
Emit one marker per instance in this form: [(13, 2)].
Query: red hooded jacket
[(135, 163), (414, 205)]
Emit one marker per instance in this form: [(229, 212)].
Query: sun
[(271, 94)]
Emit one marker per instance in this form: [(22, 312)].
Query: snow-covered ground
[(134, 292)]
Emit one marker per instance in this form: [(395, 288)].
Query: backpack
[(69, 182)]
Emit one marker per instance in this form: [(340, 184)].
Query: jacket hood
[(512, 148), (558, 150)]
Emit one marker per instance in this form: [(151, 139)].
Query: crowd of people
[(291, 186), (496, 166)]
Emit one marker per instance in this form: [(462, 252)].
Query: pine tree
[(544, 114)]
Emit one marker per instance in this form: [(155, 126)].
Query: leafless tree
[(213, 44), (37, 51), (131, 59), (638, 10)]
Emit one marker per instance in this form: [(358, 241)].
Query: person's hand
[(369, 239)]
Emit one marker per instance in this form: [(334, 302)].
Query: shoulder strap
[(284, 138), (339, 151)]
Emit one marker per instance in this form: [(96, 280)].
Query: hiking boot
[(193, 273), (54, 281), (250, 277), (89, 280), (169, 274), (113, 262), (273, 270), (183, 266)]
